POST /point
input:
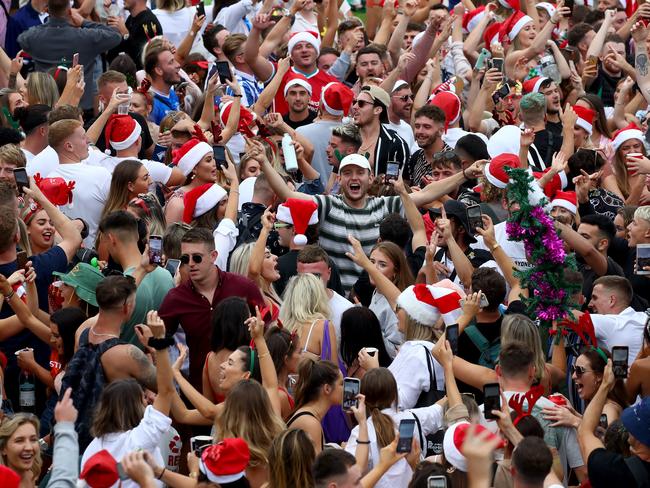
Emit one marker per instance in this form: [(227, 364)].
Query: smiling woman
[(19, 447)]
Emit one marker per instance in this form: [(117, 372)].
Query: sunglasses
[(361, 103), (281, 225), (196, 258), (579, 370), (405, 98), (445, 155)]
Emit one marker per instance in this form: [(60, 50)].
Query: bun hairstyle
[(380, 389), (312, 375)]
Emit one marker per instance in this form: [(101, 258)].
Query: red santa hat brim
[(585, 125), (625, 135), (426, 304), (565, 204), (129, 141), (226, 461), (201, 200), (192, 157), (454, 438), (519, 24)]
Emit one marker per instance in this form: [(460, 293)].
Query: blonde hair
[(11, 154), (248, 414), (415, 331), (9, 427), (24, 241), (42, 89), (291, 457), (239, 263), (305, 300), (61, 130), (519, 328), (643, 213), (172, 5)]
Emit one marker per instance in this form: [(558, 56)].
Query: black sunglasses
[(579, 370), (405, 98), (361, 103), (196, 258), (448, 155)]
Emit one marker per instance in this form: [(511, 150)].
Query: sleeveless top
[(309, 414)]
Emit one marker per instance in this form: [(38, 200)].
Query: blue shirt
[(162, 105), (19, 22)]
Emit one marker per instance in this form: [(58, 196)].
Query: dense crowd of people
[(318, 243)]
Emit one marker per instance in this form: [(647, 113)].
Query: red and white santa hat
[(495, 170), (246, 125), (510, 4), (585, 118), (226, 461), (296, 79), (201, 200), (513, 24), (558, 182), (427, 303), (100, 470), (450, 105), (189, 154), (534, 84), (452, 443), (304, 36), (492, 34), (471, 18), (300, 213), (121, 132), (625, 134), (567, 200), (630, 6), (336, 98), (548, 7)]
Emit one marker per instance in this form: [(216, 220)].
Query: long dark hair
[(68, 321), (600, 122), (618, 394), (281, 344), (380, 389), (360, 328), (120, 408), (228, 329)]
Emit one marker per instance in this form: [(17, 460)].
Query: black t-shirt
[(607, 469), (589, 276), (142, 28), (548, 141), (294, 125), (491, 331), (147, 141), (640, 283), (605, 86)]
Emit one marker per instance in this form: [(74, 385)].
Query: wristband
[(161, 343), (362, 442), (161, 473), (10, 295)]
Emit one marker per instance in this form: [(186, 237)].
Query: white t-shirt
[(515, 250), (28, 155), (159, 172), (92, 185), (338, 305), (400, 473), (412, 374), (43, 163), (388, 322), (624, 329), (405, 131), (176, 25), (146, 436)]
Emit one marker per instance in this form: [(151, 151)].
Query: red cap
[(121, 132), (495, 170), (226, 461), (533, 85), (336, 98), (450, 105)]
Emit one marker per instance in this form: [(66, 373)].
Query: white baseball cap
[(355, 160)]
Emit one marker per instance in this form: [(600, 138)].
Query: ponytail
[(384, 427), (312, 375)]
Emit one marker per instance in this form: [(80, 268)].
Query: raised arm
[(641, 65), (256, 260), (278, 185), (397, 38), (462, 264), (588, 440), (437, 189), (584, 248), (63, 225), (23, 317), (204, 406), (232, 125), (267, 368), (96, 130), (442, 352), (596, 46), (267, 96), (207, 113), (262, 68), (164, 375), (332, 23), (184, 48), (413, 216), (383, 284)]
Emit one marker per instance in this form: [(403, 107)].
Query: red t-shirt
[(317, 80)]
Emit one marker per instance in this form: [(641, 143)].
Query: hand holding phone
[(620, 356), (200, 9), (406, 428), (451, 334), (21, 178), (155, 250), (491, 400), (351, 388)]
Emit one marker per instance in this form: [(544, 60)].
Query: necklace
[(103, 335)]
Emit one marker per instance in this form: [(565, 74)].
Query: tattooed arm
[(142, 369), (641, 63)]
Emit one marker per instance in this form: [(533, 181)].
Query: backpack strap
[(106, 345), (433, 381), (477, 338), (638, 470), (422, 437)]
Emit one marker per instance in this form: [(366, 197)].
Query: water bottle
[(27, 396), (114, 9), (549, 68), (290, 159)]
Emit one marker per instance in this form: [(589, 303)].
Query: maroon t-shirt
[(186, 307)]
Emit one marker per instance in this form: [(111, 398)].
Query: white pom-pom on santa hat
[(299, 213), (121, 132), (201, 200), (426, 304)]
